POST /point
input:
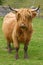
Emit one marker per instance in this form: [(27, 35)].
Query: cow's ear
[(18, 16), (34, 14)]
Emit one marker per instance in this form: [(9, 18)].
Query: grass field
[(35, 49)]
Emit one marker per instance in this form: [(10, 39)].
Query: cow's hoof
[(9, 50), (16, 57), (6, 47), (26, 57)]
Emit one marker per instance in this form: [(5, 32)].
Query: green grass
[(35, 49)]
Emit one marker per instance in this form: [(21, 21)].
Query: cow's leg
[(9, 46), (16, 46), (25, 51), (16, 49), (16, 55)]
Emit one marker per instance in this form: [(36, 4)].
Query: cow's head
[(25, 16)]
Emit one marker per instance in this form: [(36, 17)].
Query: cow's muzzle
[(23, 26)]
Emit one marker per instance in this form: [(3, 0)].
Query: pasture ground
[(35, 48)]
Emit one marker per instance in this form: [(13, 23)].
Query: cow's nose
[(22, 26)]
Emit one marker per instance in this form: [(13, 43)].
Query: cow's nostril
[(23, 27)]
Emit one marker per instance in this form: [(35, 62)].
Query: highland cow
[(17, 27)]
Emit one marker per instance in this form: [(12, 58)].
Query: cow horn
[(36, 8), (16, 10)]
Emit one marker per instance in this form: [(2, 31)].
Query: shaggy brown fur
[(17, 27)]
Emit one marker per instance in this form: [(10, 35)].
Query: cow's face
[(24, 18)]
